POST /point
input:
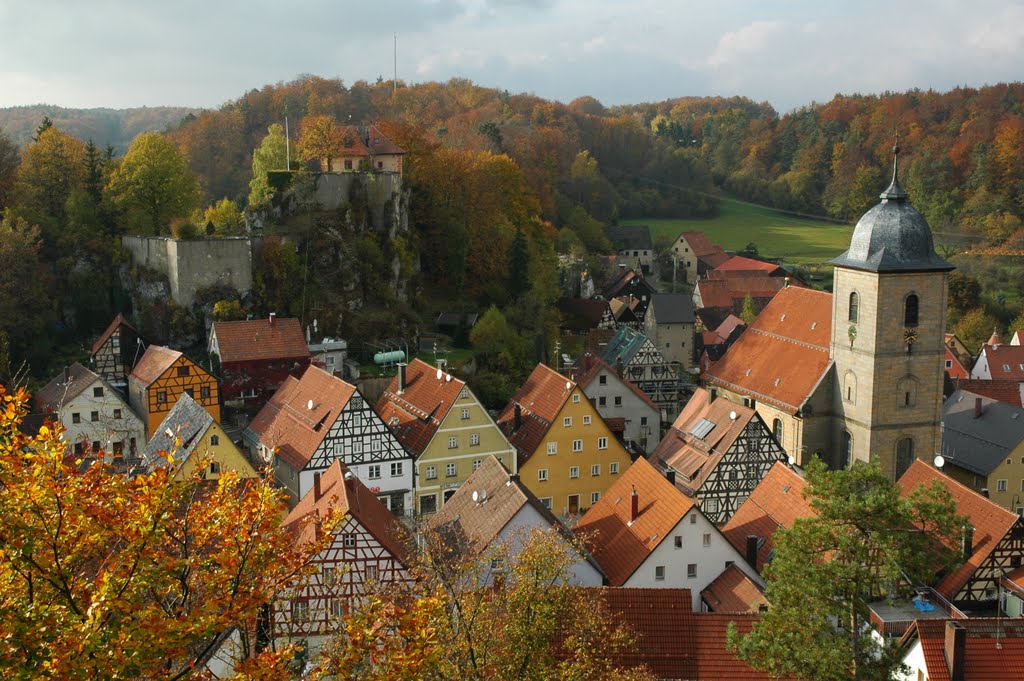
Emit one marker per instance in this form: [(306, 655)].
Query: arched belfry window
[(910, 310), (904, 455), (777, 430), (854, 306)]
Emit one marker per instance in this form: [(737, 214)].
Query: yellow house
[(567, 455), (442, 423), (193, 438), (161, 377)]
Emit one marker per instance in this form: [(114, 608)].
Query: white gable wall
[(518, 529)]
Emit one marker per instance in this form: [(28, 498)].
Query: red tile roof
[(729, 325), (367, 141), (993, 648), (710, 253), (776, 502), (64, 387), (415, 413), (1005, 361), (731, 292), (287, 424), (692, 457), (738, 263), (715, 662), (734, 591), (782, 356), (621, 546), (260, 339), (540, 399), (999, 389), (589, 366), (353, 498), (155, 361), (991, 522), (119, 320)]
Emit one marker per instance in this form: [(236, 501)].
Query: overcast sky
[(118, 53)]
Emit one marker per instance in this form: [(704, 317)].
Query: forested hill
[(116, 127)]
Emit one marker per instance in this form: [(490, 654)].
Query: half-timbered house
[(256, 355), (312, 421), (441, 423), (639, 361), (992, 544), (369, 550), (717, 452), (116, 351), (161, 377)]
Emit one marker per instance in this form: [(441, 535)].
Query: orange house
[(161, 377)]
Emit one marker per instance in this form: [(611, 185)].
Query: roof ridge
[(788, 339)]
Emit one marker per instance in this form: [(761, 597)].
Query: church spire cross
[(895, 192)]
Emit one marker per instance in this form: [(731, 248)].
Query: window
[(693, 518), (595, 469), (204, 392), (79, 448), (214, 468), (618, 400), (374, 472), (396, 469), (214, 440), (76, 418), (191, 393), (97, 392), (574, 472), (337, 608), (348, 164), (659, 573), (330, 576), (161, 397), (904, 455), (594, 497), (949, 364), (329, 360), (854, 306), (428, 504), (602, 401), (910, 310), (552, 448), (575, 398), (691, 570), (372, 573), (451, 470), (474, 440), (380, 165), (183, 371), (476, 463), (602, 380), (300, 611), (643, 420), (465, 414), (546, 502), (453, 442), (567, 422), (707, 539), (602, 443), (348, 540), (679, 541), (613, 467), (542, 475), (95, 445), (777, 429), (586, 420), (577, 445), (851, 387), (1000, 485), (117, 413), (431, 472)]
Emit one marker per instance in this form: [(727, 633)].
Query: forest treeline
[(114, 127)]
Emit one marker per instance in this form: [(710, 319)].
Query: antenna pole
[(394, 81), (287, 143)]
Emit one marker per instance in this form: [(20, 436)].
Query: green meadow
[(797, 240)]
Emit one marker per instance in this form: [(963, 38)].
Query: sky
[(120, 54)]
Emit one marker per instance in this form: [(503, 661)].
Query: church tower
[(888, 346)]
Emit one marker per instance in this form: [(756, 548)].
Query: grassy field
[(777, 235)]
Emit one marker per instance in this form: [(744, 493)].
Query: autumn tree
[(226, 218), (864, 540), (25, 295), (8, 168), (106, 575), (974, 328), (51, 169), (272, 154), (320, 137), (153, 184), (749, 312), (964, 292)]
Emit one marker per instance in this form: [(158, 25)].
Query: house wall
[(582, 571), (687, 261), (147, 403), (1010, 471), (675, 341), (710, 559), (981, 368), (559, 486), (224, 453), (438, 454), (643, 422), (255, 381), (108, 430), (916, 668)]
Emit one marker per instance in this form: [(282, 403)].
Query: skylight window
[(702, 428)]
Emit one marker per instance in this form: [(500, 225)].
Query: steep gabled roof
[(348, 497), (734, 591), (1005, 361), (629, 237), (119, 321), (775, 503), (979, 444), (623, 346), (731, 292), (738, 263), (287, 423), (260, 339), (415, 413), (991, 522), (590, 366), (155, 361), (993, 647), (783, 355), (673, 308), (1004, 390), (703, 248), (178, 434), (64, 387), (581, 314), (621, 546), (539, 400), (702, 434)]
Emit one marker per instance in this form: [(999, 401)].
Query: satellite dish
[(309, 405), (939, 461), (476, 496), (568, 385), (732, 415), (439, 373), (447, 378), (483, 495), (791, 460)]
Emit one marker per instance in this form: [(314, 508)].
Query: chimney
[(67, 375), (401, 377), (518, 423), (634, 508), (967, 542), (619, 366), (955, 649), (670, 475), (272, 316), (316, 487), (984, 492), (977, 407), (712, 394), (752, 550)]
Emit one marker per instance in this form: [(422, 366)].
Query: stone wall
[(195, 264)]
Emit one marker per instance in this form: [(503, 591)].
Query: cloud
[(751, 38)]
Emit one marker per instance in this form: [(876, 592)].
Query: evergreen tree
[(519, 265)]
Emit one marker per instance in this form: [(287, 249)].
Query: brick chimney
[(273, 316), (401, 377), (317, 491), (955, 649), (751, 556), (634, 507), (518, 422), (977, 407)]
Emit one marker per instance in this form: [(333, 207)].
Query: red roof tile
[(781, 357), (999, 389), (993, 648), (776, 502), (734, 591), (155, 361), (257, 339), (415, 413), (287, 424), (991, 522), (731, 292), (1005, 361), (738, 263), (539, 399), (621, 546), (704, 249), (715, 661), (353, 498)]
